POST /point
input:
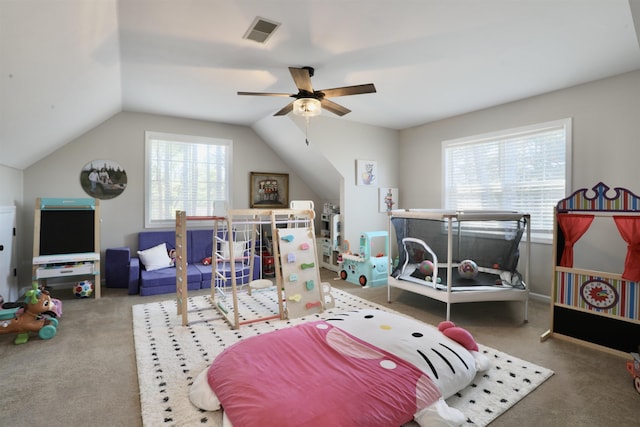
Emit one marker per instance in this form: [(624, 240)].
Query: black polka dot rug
[(169, 356)]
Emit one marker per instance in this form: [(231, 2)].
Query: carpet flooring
[(169, 356)]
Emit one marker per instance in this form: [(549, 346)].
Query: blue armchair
[(122, 271)]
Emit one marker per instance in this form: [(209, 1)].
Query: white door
[(8, 285)]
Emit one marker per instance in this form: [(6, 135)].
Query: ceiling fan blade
[(263, 94), (286, 110), (349, 90), (333, 107), (302, 79)]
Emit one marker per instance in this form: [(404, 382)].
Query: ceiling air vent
[(260, 30)]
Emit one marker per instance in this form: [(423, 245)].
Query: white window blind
[(184, 173), (525, 169)]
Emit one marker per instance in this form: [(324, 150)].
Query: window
[(186, 173), (525, 169)]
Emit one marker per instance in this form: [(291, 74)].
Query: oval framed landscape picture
[(103, 179)]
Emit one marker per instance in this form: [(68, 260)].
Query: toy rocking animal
[(31, 318)]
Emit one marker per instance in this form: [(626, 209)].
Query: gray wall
[(121, 139), (606, 147), (342, 143), (329, 163)]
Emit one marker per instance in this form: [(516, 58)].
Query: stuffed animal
[(448, 355), (394, 368)]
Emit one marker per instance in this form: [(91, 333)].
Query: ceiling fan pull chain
[(306, 139)]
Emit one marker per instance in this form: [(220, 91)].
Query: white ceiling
[(68, 65)]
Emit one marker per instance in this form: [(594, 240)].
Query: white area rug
[(169, 356)]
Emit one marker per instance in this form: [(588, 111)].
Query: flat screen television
[(67, 231)]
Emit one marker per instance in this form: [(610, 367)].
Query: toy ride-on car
[(35, 316)]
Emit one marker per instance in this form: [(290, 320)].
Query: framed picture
[(388, 198), (103, 179), (367, 173), (269, 190)]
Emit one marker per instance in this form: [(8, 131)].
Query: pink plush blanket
[(316, 375), (358, 368)]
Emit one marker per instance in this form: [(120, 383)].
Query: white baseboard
[(540, 297)]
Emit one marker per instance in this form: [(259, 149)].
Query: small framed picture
[(269, 190), (367, 173)]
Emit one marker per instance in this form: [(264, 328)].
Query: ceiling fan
[(310, 102)]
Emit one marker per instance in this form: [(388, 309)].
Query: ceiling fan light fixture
[(307, 107)]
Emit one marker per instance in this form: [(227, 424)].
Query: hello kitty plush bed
[(366, 367)]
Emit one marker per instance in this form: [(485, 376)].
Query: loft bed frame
[(449, 290), (596, 308)]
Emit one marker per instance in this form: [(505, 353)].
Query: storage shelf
[(329, 242)]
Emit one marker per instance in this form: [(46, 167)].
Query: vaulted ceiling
[(68, 65)]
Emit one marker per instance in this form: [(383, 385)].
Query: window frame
[(563, 124), (183, 139)]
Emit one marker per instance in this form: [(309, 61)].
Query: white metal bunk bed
[(452, 237)]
